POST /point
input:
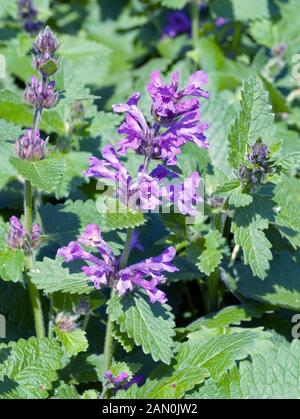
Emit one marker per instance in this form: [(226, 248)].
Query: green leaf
[(12, 265), (219, 119), (239, 198), (149, 325), (7, 95), (174, 4), (254, 121), (248, 227), (28, 368), (219, 353), (74, 342), (280, 288), (287, 196), (43, 174), (272, 374), (199, 359), (123, 218), (76, 163), (211, 257), (123, 339), (231, 315), (85, 57), (66, 392), (50, 277), (241, 11)]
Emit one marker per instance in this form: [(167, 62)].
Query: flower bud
[(41, 95), (31, 146), (66, 322), (16, 234), (46, 42), (46, 64)]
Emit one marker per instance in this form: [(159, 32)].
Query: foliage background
[(108, 49)]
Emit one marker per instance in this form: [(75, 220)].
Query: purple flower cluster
[(44, 50), (178, 23), (17, 237), (31, 146), (40, 94), (256, 173), (176, 121), (259, 154), (28, 16), (121, 382), (176, 116), (147, 274)]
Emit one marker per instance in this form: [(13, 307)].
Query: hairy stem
[(34, 294), (108, 344)]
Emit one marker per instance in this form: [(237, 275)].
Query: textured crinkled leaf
[(254, 121), (11, 265), (231, 315), (218, 353), (280, 288), (124, 340), (238, 198), (123, 217), (219, 114), (287, 196), (43, 174), (73, 342), (73, 176), (211, 257), (50, 277), (28, 368), (149, 325), (248, 227), (271, 374)]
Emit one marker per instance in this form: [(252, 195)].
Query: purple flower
[(123, 376), (221, 21), (16, 236), (169, 104), (134, 275), (259, 154), (66, 322), (178, 22), (149, 191), (177, 119), (105, 271), (46, 42), (122, 380), (185, 195), (31, 146), (43, 49), (41, 95)]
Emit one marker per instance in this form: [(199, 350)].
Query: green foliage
[(29, 368), (43, 174), (50, 277), (255, 121), (149, 325)]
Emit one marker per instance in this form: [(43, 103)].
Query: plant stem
[(33, 291), (108, 344), (195, 23)]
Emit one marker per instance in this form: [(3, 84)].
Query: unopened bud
[(31, 146)]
